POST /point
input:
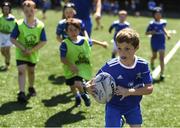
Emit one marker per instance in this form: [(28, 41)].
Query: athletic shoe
[(22, 97), (162, 77), (86, 99), (32, 91)]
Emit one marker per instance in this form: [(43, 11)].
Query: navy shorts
[(113, 117), (22, 62)]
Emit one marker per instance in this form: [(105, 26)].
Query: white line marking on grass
[(156, 72)]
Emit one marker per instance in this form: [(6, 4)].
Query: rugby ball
[(104, 87)]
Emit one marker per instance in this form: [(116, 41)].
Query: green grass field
[(53, 105)]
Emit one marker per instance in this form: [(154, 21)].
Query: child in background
[(75, 54), (28, 36), (68, 12), (133, 80), (157, 28), (7, 23), (118, 25)]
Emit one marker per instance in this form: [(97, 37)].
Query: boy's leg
[(7, 56), (79, 84), (154, 56), (31, 79), (22, 77), (134, 117), (161, 59), (112, 117), (70, 82), (21, 81)]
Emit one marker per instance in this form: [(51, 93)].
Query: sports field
[(53, 105)]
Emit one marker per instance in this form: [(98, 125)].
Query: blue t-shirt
[(83, 8), (118, 26), (61, 29), (15, 33), (158, 27), (135, 76), (63, 47)]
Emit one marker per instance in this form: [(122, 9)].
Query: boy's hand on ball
[(90, 86)]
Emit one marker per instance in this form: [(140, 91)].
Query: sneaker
[(162, 77), (32, 91), (22, 97), (3, 68), (86, 99), (77, 101)]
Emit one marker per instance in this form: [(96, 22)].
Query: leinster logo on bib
[(30, 40), (82, 59)]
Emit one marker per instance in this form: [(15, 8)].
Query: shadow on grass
[(61, 98), (59, 80), (11, 106), (157, 81), (64, 117)]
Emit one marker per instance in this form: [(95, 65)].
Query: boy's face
[(157, 16), (29, 11), (6, 10), (69, 13), (126, 51), (122, 17), (72, 31)]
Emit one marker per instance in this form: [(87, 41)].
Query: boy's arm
[(146, 90), (111, 28), (167, 33), (72, 67), (17, 44), (104, 43), (14, 35)]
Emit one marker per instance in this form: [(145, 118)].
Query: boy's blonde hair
[(129, 36), (29, 3), (122, 12)]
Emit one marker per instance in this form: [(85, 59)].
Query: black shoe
[(3, 68), (86, 99), (22, 97), (162, 77), (32, 91), (77, 101)]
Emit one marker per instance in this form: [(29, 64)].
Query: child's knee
[(78, 84), (21, 72)]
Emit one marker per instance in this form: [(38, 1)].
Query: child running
[(28, 36), (7, 23), (68, 12), (118, 25), (157, 28), (75, 54), (133, 79)]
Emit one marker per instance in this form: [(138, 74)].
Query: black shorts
[(22, 62), (71, 81)]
